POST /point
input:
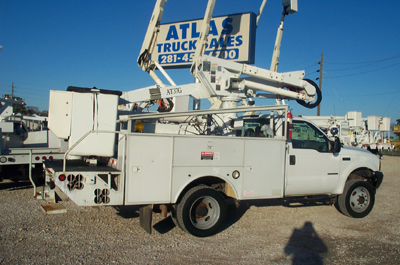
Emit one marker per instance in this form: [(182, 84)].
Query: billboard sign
[(230, 37)]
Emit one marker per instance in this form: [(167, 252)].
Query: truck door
[(311, 167)]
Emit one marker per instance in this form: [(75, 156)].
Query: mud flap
[(145, 216), (378, 178)]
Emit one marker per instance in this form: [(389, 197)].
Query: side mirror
[(334, 131), (337, 145)]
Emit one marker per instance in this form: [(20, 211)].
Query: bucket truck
[(188, 163), (356, 131), (23, 149)]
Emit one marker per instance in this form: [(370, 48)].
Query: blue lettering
[(184, 46), (159, 46), (230, 41), (172, 33), (176, 46), (184, 28), (192, 45), (227, 26), (167, 47), (239, 40), (225, 42), (195, 34), (221, 42), (213, 43), (213, 28)]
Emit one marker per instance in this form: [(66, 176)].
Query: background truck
[(367, 133), (25, 143), (189, 163)]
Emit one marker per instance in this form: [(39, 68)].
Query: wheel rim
[(204, 212), (359, 199)]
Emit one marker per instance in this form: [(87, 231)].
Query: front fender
[(375, 177)]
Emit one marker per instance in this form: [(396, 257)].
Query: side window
[(307, 136), (257, 128)]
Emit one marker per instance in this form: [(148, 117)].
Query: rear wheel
[(202, 211), (174, 216), (358, 198)]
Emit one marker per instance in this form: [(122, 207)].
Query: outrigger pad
[(145, 217), (89, 90)]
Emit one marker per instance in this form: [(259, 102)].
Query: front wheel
[(358, 198), (202, 211)]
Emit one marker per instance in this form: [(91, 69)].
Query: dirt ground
[(264, 233)]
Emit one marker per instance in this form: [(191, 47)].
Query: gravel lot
[(265, 233)]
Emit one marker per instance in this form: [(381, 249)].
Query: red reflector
[(44, 158), (50, 157), (37, 158), (62, 177)]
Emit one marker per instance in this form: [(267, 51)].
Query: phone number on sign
[(187, 57)]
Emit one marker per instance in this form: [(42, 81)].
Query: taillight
[(37, 158), (62, 177)]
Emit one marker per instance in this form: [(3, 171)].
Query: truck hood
[(362, 156)]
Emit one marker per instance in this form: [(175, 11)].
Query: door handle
[(292, 160)]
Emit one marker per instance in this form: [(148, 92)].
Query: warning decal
[(207, 155)]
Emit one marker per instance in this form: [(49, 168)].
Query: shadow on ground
[(305, 246), (15, 185)]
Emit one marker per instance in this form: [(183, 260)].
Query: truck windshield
[(306, 136)]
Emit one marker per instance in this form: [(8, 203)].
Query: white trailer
[(189, 163)]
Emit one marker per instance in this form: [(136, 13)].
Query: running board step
[(53, 208)]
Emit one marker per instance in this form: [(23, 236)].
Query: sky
[(53, 44)]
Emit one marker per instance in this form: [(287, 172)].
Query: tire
[(174, 217), (357, 200), (202, 211)]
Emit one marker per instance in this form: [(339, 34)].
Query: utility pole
[(321, 64), (12, 91)]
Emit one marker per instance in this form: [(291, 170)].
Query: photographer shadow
[(305, 246)]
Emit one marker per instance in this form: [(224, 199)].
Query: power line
[(313, 58), (29, 84), (372, 62), (370, 95), (344, 69), (363, 72), (388, 106)]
